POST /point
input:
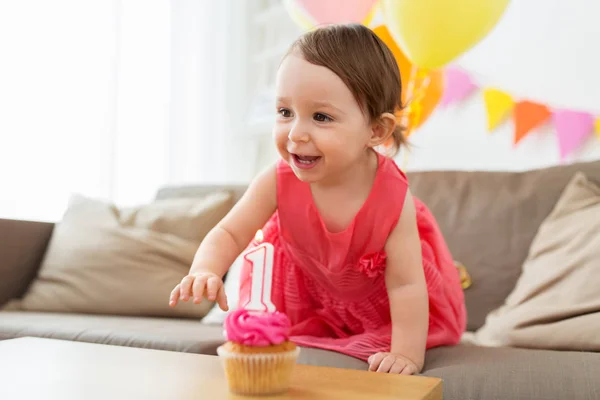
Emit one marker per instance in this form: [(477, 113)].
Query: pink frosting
[(252, 328)]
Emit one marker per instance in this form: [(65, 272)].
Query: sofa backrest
[(200, 190), (489, 220)]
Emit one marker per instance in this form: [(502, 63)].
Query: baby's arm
[(227, 240), (407, 291)]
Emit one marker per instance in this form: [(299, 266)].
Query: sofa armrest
[(22, 248)]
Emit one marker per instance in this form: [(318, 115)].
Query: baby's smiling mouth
[(304, 159)]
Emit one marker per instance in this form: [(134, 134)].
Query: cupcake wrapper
[(258, 374)]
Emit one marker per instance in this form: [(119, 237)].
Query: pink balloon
[(337, 11)]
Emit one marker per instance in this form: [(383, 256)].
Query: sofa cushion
[(123, 261), (170, 334), (489, 220), (325, 358), (489, 373), (556, 303), (183, 335)]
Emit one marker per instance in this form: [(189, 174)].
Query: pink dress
[(332, 285)]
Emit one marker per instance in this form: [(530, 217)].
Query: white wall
[(542, 50)]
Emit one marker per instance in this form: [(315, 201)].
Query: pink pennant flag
[(572, 129), (457, 86)]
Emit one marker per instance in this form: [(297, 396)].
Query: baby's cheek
[(281, 141)]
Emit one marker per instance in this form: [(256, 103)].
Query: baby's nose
[(298, 134)]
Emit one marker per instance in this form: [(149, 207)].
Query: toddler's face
[(320, 129)]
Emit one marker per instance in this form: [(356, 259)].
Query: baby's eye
[(322, 117), (284, 112)]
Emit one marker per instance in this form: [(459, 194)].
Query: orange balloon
[(426, 94)]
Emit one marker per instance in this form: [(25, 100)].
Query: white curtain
[(210, 89), (116, 98)]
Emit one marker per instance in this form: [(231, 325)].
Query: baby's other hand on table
[(392, 363)]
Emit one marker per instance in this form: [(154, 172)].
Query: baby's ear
[(382, 129)]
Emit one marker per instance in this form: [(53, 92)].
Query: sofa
[(490, 220)]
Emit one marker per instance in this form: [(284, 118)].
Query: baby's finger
[(386, 363), (222, 299), (410, 369), (199, 288), (398, 367), (375, 360), (175, 293), (186, 286), (212, 287)]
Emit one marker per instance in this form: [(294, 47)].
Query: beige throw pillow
[(556, 302), (106, 260)]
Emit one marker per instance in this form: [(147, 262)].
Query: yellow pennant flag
[(597, 126), (498, 105)]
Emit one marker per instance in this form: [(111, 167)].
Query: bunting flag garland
[(458, 85), (573, 128), (498, 105), (528, 116)]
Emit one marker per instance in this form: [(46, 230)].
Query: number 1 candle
[(261, 260)]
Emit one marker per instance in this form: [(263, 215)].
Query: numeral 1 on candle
[(261, 259)]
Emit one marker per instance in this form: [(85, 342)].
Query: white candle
[(261, 259)]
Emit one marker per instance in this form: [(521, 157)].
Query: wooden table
[(48, 369)]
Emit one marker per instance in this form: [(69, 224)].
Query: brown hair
[(364, 63)]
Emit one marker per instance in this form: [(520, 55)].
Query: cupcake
[(258, 356)]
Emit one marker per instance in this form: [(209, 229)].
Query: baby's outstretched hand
[(392, 363), (198, 286)]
